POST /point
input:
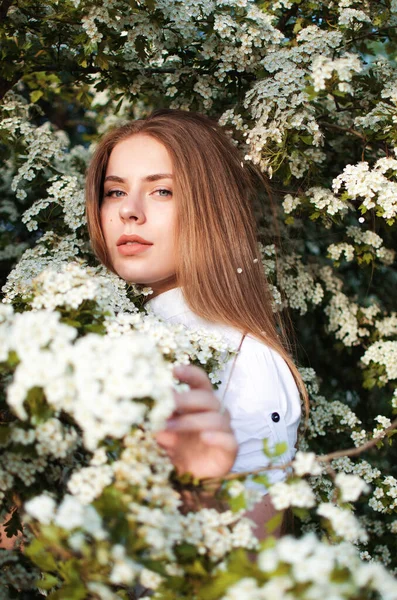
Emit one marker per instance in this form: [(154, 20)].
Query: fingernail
[(179, 370), (171, 424)]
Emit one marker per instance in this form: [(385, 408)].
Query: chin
[(136, 276)]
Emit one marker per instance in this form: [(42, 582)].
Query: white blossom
[(350, 487), (343, 522), (41, 508), (305, 463)]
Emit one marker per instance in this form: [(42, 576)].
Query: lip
[(132, 238), (139, 245), (131, 250)]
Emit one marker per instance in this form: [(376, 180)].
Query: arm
[(263, 512), (200, 440)]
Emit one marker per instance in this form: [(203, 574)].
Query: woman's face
[(138, 201)]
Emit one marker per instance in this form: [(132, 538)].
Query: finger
[(194, 376), (166, 439), (224, 440), (206, 421), (196, 401)]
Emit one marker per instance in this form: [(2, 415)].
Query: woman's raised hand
[(198, 438)]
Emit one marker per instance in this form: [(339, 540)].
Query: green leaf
[(306, 139), (72, 323), (37, 552), (274, 522), (266, 448), (47, 581), (280, 448), (186, 552), (38, 407), (36, 95), (301, 513), (215, 589), (311, 94), (237, 503), (76, 591), (70, 571), (262, 479), (102, 62), (12, 359), (344, 197), (196, 568), (298, 26), (95, 328)]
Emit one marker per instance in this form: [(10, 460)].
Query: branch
[(344, 129), (358, 449), (324, 458), (231, 476)]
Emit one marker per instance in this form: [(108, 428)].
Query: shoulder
[(261, 383), (264, 365)]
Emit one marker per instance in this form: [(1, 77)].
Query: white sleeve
[(264, 402)]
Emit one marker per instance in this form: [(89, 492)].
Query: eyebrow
[(154, 177)]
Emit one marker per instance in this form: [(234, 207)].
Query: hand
[(198, 438)]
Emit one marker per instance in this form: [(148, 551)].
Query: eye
[(114, 194), (163, 192)]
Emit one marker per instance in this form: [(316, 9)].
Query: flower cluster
[(94, 379), (372, 188), (67, 192), (178, 343), (344, 67), (291, 566), (368, 245), (42, 145), (70, 284), (385, 354)]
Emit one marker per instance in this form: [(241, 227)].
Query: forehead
[(139, 154)]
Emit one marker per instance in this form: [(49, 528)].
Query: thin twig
[(359, 449), (323, 458), (344, 129)]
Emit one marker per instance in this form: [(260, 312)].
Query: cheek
[(163, 224), (106, 220)]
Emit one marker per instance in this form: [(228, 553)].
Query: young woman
[(169, 205)]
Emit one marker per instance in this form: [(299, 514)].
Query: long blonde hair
[(219, 265)]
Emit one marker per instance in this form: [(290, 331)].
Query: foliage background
[(309, 92)]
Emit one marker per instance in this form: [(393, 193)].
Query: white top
[(262, 397)]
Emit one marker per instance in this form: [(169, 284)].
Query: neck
[(163, 286)]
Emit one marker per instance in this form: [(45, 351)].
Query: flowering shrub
[(309, 93)]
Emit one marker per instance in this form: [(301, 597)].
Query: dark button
[(275, 417)]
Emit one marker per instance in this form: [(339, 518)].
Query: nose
[(131, 208)]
